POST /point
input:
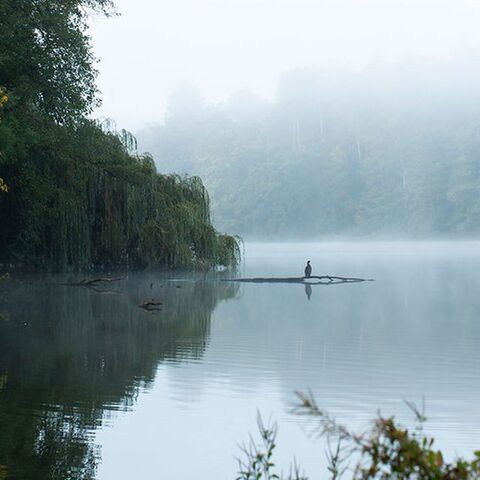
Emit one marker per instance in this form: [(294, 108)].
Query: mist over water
[(148, 387), (307, 120), (293, 130)]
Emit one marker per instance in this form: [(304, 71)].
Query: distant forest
[(389, 150)]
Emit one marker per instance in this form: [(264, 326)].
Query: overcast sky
[(225, 45)]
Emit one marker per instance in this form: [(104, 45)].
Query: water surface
[(92, 386)]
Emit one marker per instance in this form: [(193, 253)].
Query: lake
[(92, 386)]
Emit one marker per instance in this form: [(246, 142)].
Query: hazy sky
[(225, 45)]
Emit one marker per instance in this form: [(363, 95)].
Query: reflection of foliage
[(80, 352), (61, 451), (3, 277), (45, 445), (384, 452), (3, 101)]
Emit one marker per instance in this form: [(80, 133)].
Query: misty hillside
[(389, 150)]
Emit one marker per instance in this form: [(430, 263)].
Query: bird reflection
[(308, 290)]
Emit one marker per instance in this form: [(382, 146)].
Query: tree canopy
[(79, 195), (389, 150), (46, 60)]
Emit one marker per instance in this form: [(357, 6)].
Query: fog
[(221, 46), (389, 151), (304, 119), (154, 288)]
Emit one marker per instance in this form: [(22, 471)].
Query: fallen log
[(91, 283), (313, 280)]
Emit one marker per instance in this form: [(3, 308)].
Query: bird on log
[(308, 269), (311, 280)]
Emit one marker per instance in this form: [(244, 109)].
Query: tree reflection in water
[(70, 355)]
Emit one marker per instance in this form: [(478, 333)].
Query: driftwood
[(97, 284), (105, 291), (151, 305), (313, 280), (93, 283)]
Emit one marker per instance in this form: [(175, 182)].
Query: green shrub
[(386, 451)]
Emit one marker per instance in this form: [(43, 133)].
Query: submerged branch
[(151, 305), (92, 283)]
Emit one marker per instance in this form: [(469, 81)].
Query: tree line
[(390, 150), (74, 193)]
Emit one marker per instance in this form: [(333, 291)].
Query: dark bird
[(308, 269)]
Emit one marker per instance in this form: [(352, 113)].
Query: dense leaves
[(79, 196), (78, 200), (46, 59)]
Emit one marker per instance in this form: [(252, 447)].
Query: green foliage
[(80, 195), (393, 452), (46, 60), (337, 152), (258, 459), (384, 452), (80, 200), (258, 463)]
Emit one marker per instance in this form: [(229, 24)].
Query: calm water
[(92, 386)]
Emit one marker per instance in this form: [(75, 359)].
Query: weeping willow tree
[(79, 196), (98, 205)]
